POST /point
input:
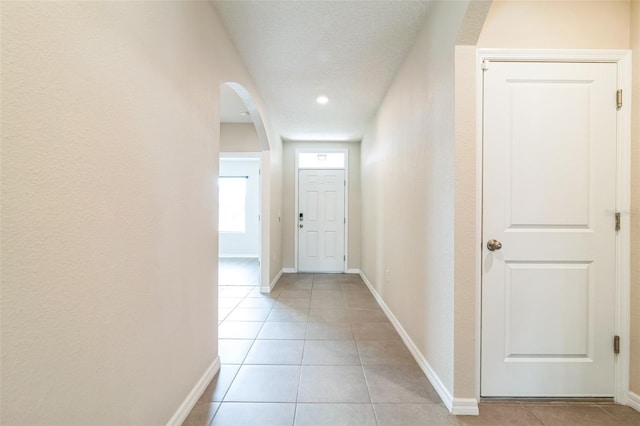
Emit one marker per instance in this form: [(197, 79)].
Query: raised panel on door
[(539, 326), (549, 135), (547, 143), (321, 224)]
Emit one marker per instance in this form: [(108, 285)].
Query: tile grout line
[(366, 381), (222, 399)]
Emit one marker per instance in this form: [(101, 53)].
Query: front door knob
[(494, 245)]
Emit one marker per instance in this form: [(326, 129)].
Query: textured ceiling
[(346, 50)]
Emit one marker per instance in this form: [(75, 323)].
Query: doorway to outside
[(321, 216)]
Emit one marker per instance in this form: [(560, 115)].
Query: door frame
[(296, 207), (623, 191), (263, 231)]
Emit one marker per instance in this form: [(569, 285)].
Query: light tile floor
[(319, 351)]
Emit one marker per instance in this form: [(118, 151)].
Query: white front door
[(321, 220), (549, 187)]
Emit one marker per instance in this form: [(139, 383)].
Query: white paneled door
[(549, 239), (321, 220)]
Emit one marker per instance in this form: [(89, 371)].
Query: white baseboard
[(271, 284), (465, 407), (289, 270), (457, 406), (633, 401), (238, 256), (354, 271), (191, 399)]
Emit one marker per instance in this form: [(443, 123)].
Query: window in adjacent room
[(233, 197)]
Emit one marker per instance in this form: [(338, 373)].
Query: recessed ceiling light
[(244, 113), (322, 99)]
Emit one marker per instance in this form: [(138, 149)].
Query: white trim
[(461, 406), (295, 210), (289, 270), (353, 271), (240, 156), (345, 151), (273, 283), (263, 208), (551, 55), (478, 233), (633, 401), (190, 401), (239, 256), (346, 211), (623, 237), (622, 314), (265, 217), (465, 407)]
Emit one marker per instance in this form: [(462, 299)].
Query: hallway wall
[(407, 188), (109, 156)]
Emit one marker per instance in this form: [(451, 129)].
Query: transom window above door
[(321, 160)]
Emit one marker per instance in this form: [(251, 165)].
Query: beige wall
[(517, 24), (635, 202), (407, 188), (288, 199), (239, 137), (581, 24), (109, 143), (465, 262)]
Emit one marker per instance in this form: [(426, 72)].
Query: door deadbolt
[(494, 245)]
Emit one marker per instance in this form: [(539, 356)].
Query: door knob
[(494, 245), (301, 226)]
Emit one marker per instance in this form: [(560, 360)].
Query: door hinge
[(619, 99), (617, 221), (485, 65), (344, 258), (345, 220), (616, 345)]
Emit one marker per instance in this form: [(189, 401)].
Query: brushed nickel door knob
[(494, 245)]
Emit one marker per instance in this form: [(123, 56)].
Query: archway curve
[(265, 181), (254, 112)]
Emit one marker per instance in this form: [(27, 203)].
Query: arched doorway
[(243, 215)]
